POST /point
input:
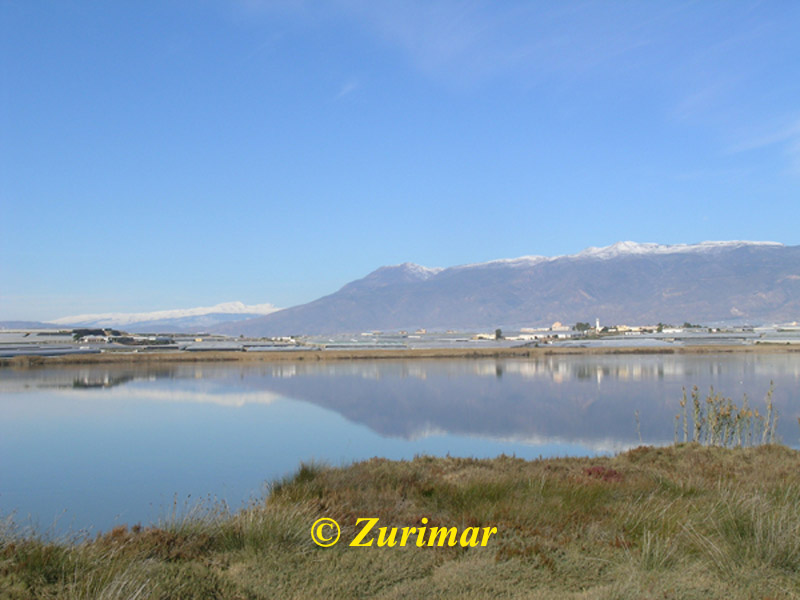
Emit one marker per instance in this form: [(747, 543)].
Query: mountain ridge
[(728, 281)]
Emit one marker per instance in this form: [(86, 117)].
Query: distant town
[(57, 342)]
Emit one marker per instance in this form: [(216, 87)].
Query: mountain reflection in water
[(139, 435), (580, 399)]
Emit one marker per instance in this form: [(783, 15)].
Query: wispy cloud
[(721, 174), (258, 6), (786, 133), (470, 41), (706, 98), (704, 63), (784, 137), (347, 88)]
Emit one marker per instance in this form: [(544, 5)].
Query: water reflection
[(585, 400), (116, 443)]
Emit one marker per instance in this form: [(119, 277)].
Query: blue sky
[(167, 154)]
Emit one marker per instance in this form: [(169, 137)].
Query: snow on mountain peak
[(629, 248), (418, 270), (122, 319), (622, 248), (521, 261), (393, 274)]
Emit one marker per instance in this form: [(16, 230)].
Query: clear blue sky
[(168, 154)]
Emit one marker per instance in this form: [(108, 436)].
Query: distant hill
[(176, 320), (626, 283)]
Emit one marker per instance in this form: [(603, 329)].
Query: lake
[(85, 448)]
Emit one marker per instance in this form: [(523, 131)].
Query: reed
[(718, 421)]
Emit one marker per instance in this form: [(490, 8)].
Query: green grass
[(688, 521)]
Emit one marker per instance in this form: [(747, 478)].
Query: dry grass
[(679, 522), (718, 421)]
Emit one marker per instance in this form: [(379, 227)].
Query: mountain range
[(625, 283), (177, 320), (732, 282)]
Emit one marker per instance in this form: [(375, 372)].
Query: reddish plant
[(602, 473)]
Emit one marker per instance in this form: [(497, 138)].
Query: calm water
[(86, 448)]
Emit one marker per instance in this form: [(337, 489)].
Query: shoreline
[(377, 354)]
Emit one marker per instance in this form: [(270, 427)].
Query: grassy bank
[(171, 357), (678, 522)]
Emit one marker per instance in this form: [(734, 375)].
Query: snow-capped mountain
[(620, 249), (395, 274), (627, 248), (625, 283), (182, 319)]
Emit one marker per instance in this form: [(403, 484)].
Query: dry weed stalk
[(718, 421)]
